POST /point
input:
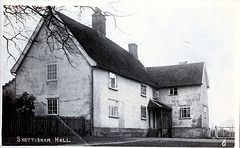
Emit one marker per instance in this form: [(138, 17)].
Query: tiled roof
[(106, 53), (155, 103), (114, 58), (177, 75)]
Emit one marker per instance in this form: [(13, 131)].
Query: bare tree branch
[(59, 38)]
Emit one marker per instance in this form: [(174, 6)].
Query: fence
[(224, 132), (43, 125)]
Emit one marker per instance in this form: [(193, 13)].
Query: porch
[(160, 119)]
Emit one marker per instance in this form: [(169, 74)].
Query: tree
[(25, 104), (8, 105), (8, 98), (18, 16)]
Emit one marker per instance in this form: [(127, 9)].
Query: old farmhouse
[(109, 86)]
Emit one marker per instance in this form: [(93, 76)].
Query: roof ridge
[(105, 37), (175, 65), (177, 75), (107, 53)]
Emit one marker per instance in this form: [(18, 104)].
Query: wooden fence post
[(216, 132)]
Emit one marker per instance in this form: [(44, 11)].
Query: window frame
[(114, 113), (57, 99), (142, 94), (110, 81), (155, 94), (145, 110), (173, 91), (56, 71), (187, 112)]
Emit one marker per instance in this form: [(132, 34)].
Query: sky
[(168, 32)]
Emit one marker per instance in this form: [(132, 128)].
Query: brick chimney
[(182, 63), (132, 47), (99, 22)]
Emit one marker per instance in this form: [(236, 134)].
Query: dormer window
[(112, 80), (155, 94), (143, 90), (173, 91)]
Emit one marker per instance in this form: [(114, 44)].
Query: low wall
[(190, 132), (119, 132)]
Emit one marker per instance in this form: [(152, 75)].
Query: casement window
[(113, 108), (173, 91), (52, 106), (112, 80), (185, 112), (143, 90), (205, 111), (51, 72), (155, 94), (143, 112)]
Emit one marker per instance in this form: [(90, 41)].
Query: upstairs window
[(155, 94), (52, 106), (173, 91), (143, 112), (113, 108), (51, 72), (143, 90), (185, 112), (112, 80)]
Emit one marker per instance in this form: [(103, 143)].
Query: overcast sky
[(169, 32)]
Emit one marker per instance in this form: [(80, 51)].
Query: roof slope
[(177, 75), (155, 103), (106, 53)]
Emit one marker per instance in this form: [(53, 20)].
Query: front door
[(152, 119)]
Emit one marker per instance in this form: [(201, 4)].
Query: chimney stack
[(182, 63), (133, 49), (99, 22)]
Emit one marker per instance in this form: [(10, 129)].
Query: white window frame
[(113, 76), (143, 93), (143, 108), (47, 72), (113, 111), (185, 112), (173, 91), (52, 107)]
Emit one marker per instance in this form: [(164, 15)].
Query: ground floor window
[(143, 112), (113, 108), (52, 106), (185, 112)]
